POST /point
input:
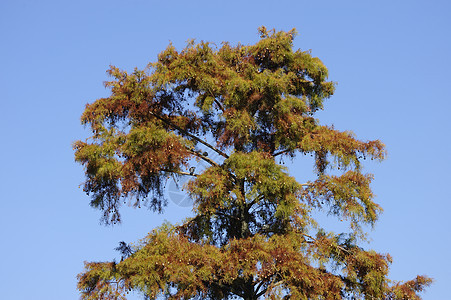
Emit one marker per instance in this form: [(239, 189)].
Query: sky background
[(391, 60)]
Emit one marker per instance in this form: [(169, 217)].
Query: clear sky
[(391, 60)]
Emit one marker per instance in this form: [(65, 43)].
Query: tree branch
[(316, 241), (210, 161), (190, 135), (261, 293), (255, 200), (203, 157), (219, 213), (217, 102), (180, 172), (257, 288), (282, 152)]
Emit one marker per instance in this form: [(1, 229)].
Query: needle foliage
[(240, 109)]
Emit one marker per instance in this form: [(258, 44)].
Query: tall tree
[(253, 233)]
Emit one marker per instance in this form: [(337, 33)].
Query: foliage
[(253, 234)]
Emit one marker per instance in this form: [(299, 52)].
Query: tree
[(253, 234)]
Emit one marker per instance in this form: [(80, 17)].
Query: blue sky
[(391, 60)]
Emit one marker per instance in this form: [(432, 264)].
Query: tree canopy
[(253, 234)]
